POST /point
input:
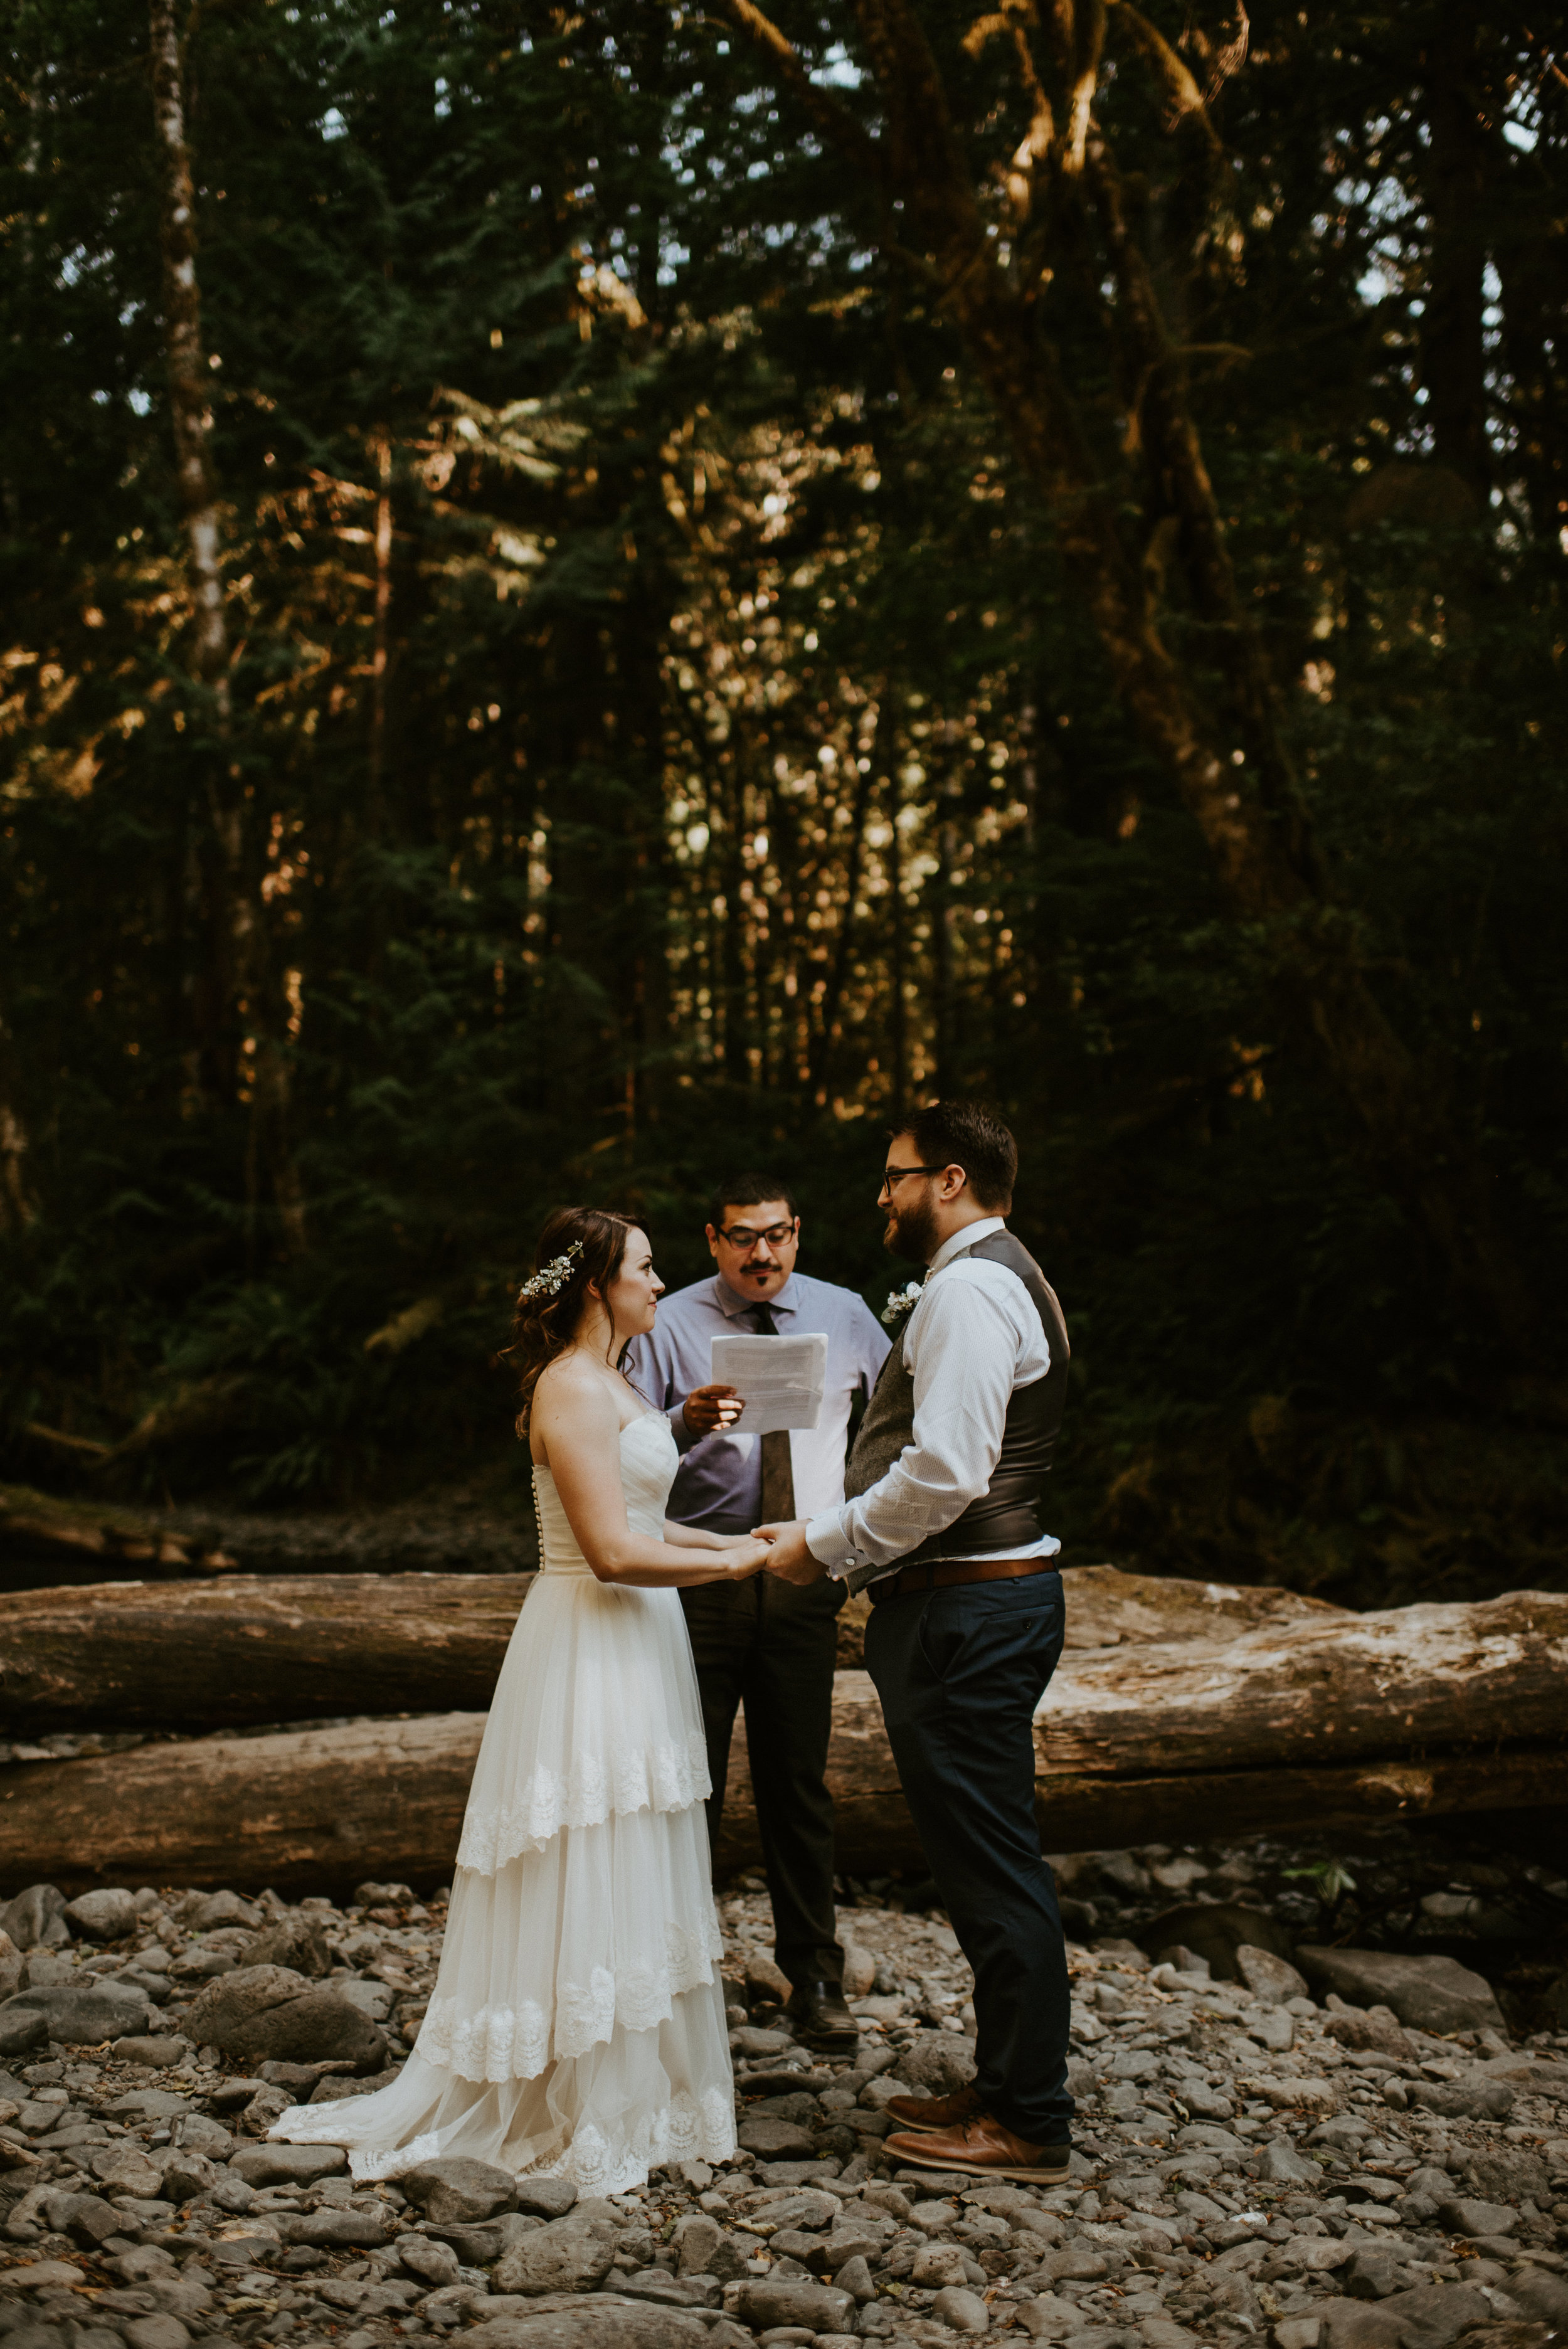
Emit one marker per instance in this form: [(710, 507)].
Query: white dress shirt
[(974, 1335)]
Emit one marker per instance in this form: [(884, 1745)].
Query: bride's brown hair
[(577, 1245)]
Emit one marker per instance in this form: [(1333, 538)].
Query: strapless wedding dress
[(577, 2024)]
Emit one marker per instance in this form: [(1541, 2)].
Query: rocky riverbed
[(1280, 2139)]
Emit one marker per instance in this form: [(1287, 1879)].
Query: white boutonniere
[(901, 1302)]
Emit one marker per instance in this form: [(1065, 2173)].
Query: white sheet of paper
[(783, 1379)]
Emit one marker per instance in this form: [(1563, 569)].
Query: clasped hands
[(785, 1554), (788, 1555)]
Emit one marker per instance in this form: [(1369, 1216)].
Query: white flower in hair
[(551, 1277), (900, 1302)]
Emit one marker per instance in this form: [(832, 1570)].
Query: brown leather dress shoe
[(924, 2113), (984, 2148)]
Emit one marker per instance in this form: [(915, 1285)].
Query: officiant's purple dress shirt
[(720, 1482)]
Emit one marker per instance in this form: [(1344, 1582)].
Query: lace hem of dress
[(663, 1778), (687, 2129), (515, 2043)]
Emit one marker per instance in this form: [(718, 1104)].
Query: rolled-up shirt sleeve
[(962, 1347)]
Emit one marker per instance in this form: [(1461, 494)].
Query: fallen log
[(1433, 1708), (70, 1534), (305, 1810), (241, 1651), (244, 1651), (1107, 1608), (47, 1540), (1393, 1686)]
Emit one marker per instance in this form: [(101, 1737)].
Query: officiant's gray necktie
[(777, 1468)]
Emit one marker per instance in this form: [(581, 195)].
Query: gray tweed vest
[(1006, 1518)]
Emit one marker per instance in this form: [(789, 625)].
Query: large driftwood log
[(243, 1651), (1107, 1608), (305, 1810), (1327, 1721), (1393, 1686), (1320, 1718)]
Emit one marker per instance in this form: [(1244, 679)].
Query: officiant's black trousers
[(959, 1674), (772, 1648)]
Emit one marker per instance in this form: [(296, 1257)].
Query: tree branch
[(835, 121), (1185, 97)]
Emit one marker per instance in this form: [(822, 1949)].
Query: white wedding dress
[(577, 2024)]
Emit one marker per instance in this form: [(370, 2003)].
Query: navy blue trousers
[(959, 1674)]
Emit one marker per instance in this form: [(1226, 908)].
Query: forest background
[(594, 596)]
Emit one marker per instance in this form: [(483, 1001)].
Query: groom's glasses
[(740, 1236), (893, 1176)]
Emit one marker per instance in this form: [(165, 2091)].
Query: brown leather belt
[(942, 1573)]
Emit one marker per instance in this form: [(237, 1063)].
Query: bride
[(577, 2024)]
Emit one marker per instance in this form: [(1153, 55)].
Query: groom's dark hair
[(747, 1190), (966, 1133)]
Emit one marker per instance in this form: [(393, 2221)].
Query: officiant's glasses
[(741, 1236)]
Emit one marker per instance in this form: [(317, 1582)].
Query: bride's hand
[(744, 1555)]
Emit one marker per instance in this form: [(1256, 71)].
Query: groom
[(942, 1521)]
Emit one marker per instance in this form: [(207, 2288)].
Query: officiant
[(762, 1643)]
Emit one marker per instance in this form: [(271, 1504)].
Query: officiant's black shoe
[(822, 2019)]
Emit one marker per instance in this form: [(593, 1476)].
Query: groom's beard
[(911, 1231)]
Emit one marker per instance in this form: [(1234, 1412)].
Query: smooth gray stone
[(427, 2257), (772, 2139), (158, 2103), (1279, 2164), (820, 2306), (269, 2011), (297, 1943), (1508, 2173), (1429, 2317), (153, 2055), (666, 2291), (267, 2164), (1272, 1980), (940, 2061), (330, 2230), (35, 1918), (1462, 2215), (21, 2030), (102, 1916), (84, 2012), (459, 2191), (1542, 2295), (560, 2257), (1436, 1994), (86, 2218), (545, 2197)]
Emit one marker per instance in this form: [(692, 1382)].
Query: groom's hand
[(710, 1409), (789, 1559)]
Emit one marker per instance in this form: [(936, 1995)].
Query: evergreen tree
[(620, 584)]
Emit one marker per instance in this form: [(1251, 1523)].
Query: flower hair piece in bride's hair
[(578, 1252), (551, 1279)]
